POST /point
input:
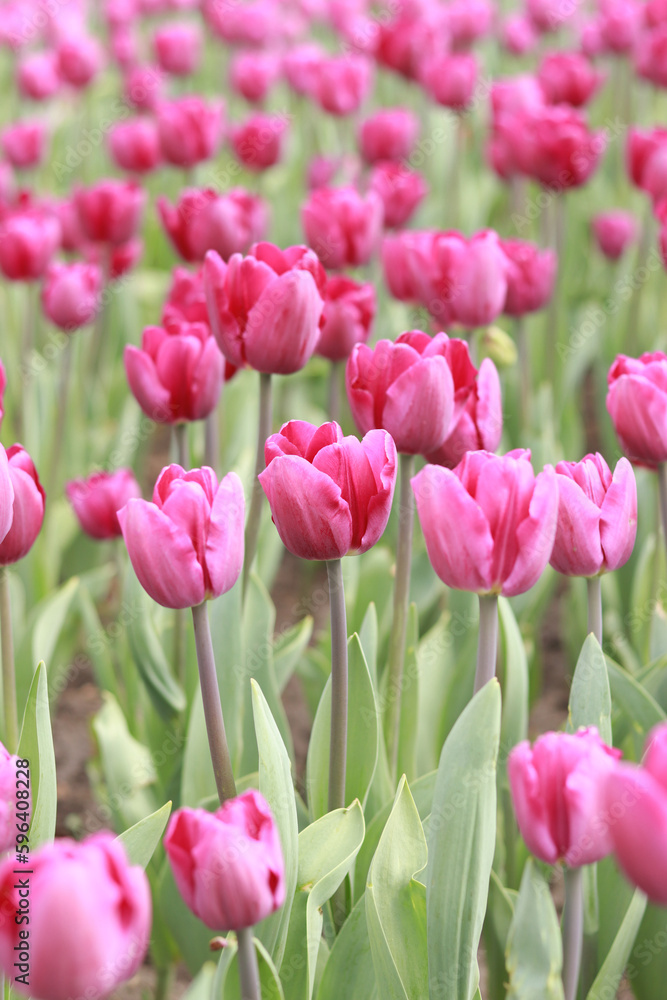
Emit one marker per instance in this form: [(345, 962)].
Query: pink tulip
[(79, 60), (637, 405), (135, 145), (38, 76), (10, 805), (190, 130), (258, 142), (329, 495), (450, 79), (253, 74), (389, 134), (124, 47), (254, 23), (120, 259), (518, 35), (203, 220), (619, 22), (646, 153), (651, 56), (110, 211), (143, 87), (558, 793), (549, 15), (635, 799), (343, 227), (187, 545), (489, 524), (177, 374), (401, 192), (597, 516), (614, 232), (347, 317), (557, 148), (404, 387), (470, 279), (27, 510), (228, 865), (178, 48), (71, 294), (409, 265), (78, 891), (265, 308), (568, 78), (469, 20), (28, 241), (24, 144), (322, 171), (342, 83), (97, 500), (416, 32), (531, 275), (186, 301), (301, 66)]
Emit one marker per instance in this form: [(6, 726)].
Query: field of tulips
[(333, 499)]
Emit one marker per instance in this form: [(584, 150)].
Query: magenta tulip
[(135, 145), (568, 78), (329, 495), (85, 891), (556, 147), (531, 274), (489, 524), (343, 227), (404, 387), (24, 144), (228, 865), (177, 374), (187, 545), (28, 240), (178, 48), (79, 59), (110, 211), (410, 267), (614, 232), (342, 83), (97, 500), (450, 79), (203, 220), (143, 87), (71, 294), (265, 308), (253, 74), (401, 192), (38, 76), (389, 134), (190, 130), (27, 509), (347, 317), (597, 516), (470, 279), (637, 405), (557, 788), (636, 804), (258, 142)]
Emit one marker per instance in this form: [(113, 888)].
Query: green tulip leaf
[(534, 956), (141, 839), (590, 695), (36, 746)]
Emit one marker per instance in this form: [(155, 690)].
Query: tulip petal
[(381, 452), (638, 409), (162, 555), (577, 550), (419, 406), (618, 524), (207, 380), (283, 326), (637, 807), (150, 394), (313, 520), (535, 536), (6, 495), (456, 531), (27, 516), (530, 805), (224, 545), (348, 466)]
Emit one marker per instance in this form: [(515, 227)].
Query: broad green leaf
[(227, 984), (461, 843), (641, 709), (127, 765), (409, 720), (202, 986), (350, 961), (590, 696), (277, 787), (534, 956), (608, 978), (497, 922), (141, 839), (327, 850), (368, 637), (36, 745), (396, 903), (288, 649), (363, 736), (149, 658), (259, 617)]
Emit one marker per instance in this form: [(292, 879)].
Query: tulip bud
[(557, 790), (489, 524), (228, 865), (27, 509), (187, 545), (84, 891), (329, 495), (97, 500), (614, 232)]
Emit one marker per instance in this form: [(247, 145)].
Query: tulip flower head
[(203, 220), (329, 495), (26, 508), (97, 500), (228, 865), (637, 405), (347, 317), (187, 545)]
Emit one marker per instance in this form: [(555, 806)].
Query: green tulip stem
[(224, 776), (212, 441), (334, 391), (8, 676), (573, 930), (662, 482), (487, 644), (523, 346), (215, 724), (182, 449), (338, 745), (401, 607), (593, 584), (257, 497)]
